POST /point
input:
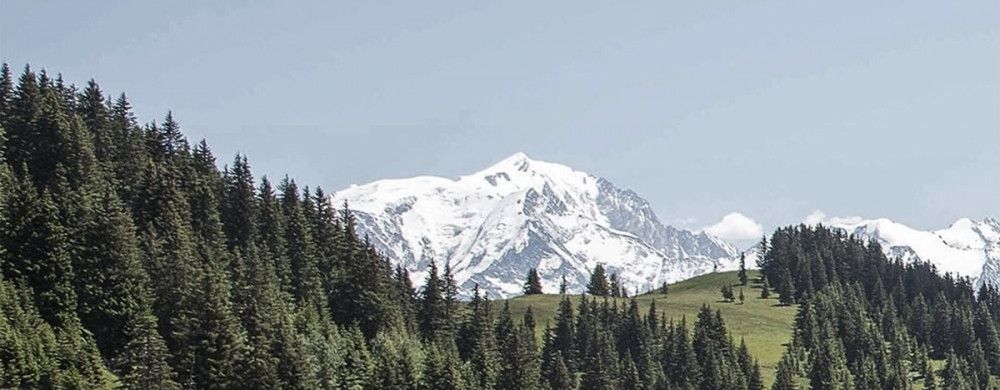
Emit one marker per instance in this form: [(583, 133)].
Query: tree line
[(869, 322)]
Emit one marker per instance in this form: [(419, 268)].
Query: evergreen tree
[(431, 315), (442, 370), (399, 361), (784, 379), (557, 375), (479, 343), (358, 369), (744, 279), (727, 293), (601, 370), (598, 285), (533, 285), (6, 93), (953, 374), (114, 301), (519, 366), (302, 254)]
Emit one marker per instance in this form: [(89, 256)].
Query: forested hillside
[(869, 322), (130, 259)]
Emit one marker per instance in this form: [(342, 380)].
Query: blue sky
[(772, 109)]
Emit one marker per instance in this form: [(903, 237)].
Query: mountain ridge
[(519, 213), (965, 248)]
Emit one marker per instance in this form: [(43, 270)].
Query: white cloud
[(818, 216), (736, 226), (814, 218)]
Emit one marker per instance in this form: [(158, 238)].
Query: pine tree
[(598, 285), (519, 366), (307, 284), (562, 285), (765, 291), (986, 330), (6, 93), (557, 375), (114, 301), (358, 369), (431, 313), (37, 253), (727, 293), (442, 370), (784, 379), (744, 279), (450, 299), (829, 365), (601, 370), (953, 374), (787, 292), (399, 361), (533, 285), (477, 343)]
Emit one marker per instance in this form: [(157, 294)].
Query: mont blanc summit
[(493, 225)]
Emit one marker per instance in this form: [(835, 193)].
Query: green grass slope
[(764, 324)]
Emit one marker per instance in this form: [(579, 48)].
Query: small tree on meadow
[(533, 285)]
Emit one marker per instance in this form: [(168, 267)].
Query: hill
[(765, 325)]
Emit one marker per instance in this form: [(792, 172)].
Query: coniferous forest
[(132, 260)]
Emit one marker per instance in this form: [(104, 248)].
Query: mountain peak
[(496, 224)]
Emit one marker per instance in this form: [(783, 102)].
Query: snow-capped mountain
[(966, 248), (496, 224)]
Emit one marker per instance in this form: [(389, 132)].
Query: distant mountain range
[(494, 225), (966, 248)]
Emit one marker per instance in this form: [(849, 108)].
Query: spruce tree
[(598, 285), (533, 284), (307, 284), (601, 369), (6, 93), (114, 301), (442, 370), (431, 312), (744, 279), (557, 375), (784, 378)]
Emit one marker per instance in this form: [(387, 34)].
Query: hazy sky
[(771, 109)]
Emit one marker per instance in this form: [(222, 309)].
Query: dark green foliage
[(432, 315), (123, 247), (727, 293), (533, 285), (519, 363), (129, 259), (785, 375), (869, 322), (598, 285), (744, 279), (443, 368)]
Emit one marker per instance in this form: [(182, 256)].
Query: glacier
[(494, 225)]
